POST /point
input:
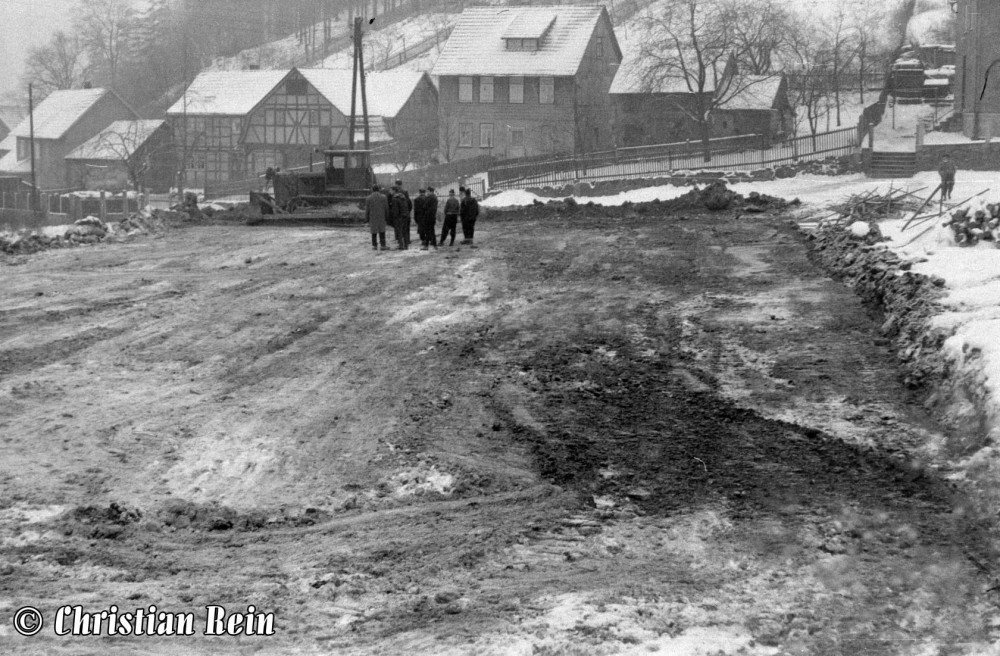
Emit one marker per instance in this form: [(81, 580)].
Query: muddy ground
[(642, 434)]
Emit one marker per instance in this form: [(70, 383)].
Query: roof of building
[(378, 133), (386, 91), (59, 112), (9, 162), (477, 47), (752, 92), (118, 141), (529, 25), (633, 77), (227, 93)]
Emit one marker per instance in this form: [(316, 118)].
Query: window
[(23, 148), (465, 134), (465, 90), (296, 87), (485, 135), (600, 47), (529, 44), (486, 89), (517, 89), (517, 137), (513, 44), (547, 90)]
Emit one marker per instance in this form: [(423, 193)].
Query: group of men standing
[(393, 207)]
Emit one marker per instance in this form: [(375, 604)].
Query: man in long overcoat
[(376, 213), (401, 217)]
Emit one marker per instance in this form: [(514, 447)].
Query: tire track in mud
[(20, 360)]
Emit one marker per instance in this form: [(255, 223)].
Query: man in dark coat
[(469, 212), (376, 213), (432, 214), (401, 206), (391, 216), (947, 171), (452, 209), (420, 216)]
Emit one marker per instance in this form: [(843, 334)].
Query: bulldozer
[(334, 195)]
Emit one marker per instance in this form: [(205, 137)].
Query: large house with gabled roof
[(63, 121), (240, 123), (527, 80)]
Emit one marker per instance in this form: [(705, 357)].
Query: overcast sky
[(23, 24)]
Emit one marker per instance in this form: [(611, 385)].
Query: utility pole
[(354, 86), (31, 145), (361, 69)]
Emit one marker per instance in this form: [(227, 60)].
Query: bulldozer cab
[(348, 169)]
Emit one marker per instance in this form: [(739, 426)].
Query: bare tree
[(449, 137), (107, 29), (688, 47), (59, 64), (810, 86), (760, 32), (841, 46), (136, 148)]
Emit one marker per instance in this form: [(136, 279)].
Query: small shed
[(756, 104), (126, 155)]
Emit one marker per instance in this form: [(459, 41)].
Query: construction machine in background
[(334, 194)]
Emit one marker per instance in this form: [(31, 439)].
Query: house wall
[(977, 86), (548, 128), (213, 153), (113, 175), (417, 121), (646, 119), (594, 108), (285, 128)]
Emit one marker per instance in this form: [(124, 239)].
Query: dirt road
[(591, 435)]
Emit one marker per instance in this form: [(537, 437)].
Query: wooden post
[(46, 205), (103, 211), (75, 208)]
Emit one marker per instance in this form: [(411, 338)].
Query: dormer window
[(522, 44), (528, 29)]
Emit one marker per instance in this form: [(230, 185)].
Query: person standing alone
[(469, 212), (947, 171), (376, 212)]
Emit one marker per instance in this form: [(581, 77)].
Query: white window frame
[(465, 83), (23, 148), (600, 47), (550, 84), (516, 82), (486, 89), (484, 130), (465, 129)]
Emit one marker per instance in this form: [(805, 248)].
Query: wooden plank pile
[(872, 206)]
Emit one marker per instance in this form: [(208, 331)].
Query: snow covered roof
[(227, 93), (386, 91), (477, 47), (752, 92), (118, 141), (529, 25), (10, 164), (378, 133), (59, 112), (631, 78)]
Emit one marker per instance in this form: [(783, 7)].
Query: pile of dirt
[(91, 230), (96, 522), (906, 299), (714, 197), (208, 517)]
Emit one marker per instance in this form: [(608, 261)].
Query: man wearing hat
[(407, 212), (469, 212), (420, 217), (376, 212), (432, 215), (451, 211)]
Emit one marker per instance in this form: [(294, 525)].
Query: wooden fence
[(17, 212)]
